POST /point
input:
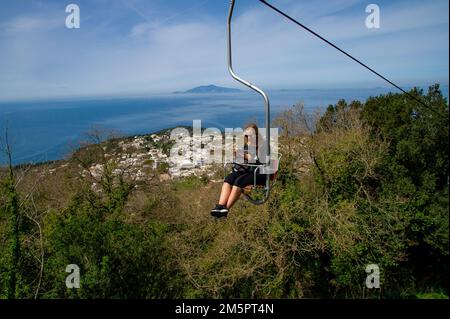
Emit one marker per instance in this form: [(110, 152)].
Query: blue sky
[(127, 47)]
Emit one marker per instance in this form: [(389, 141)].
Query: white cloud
[(30, 24)]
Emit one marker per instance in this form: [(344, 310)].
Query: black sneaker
[(219, 211)]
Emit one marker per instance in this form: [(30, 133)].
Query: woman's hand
[(240, 154)]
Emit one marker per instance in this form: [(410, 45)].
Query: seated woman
[(241, 176)]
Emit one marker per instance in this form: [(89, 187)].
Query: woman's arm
[(245, 154)]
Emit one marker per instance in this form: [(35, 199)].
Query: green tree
[(12, 212), (415, 173)]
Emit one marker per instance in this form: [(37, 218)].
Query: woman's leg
[(226, 187), (224, 194), (234, 196), (239, 183)]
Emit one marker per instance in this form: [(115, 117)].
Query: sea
[(44, 130)]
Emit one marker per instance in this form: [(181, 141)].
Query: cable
[(345, 53)]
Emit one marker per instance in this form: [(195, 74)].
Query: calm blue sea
[(47, 130)]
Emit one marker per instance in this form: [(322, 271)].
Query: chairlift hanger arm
[(230, 60), (248, 84)]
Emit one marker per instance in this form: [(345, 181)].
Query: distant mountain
[(210, 89)]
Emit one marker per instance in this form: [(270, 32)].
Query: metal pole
[(254, 88)]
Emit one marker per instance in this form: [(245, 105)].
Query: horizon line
[(181, 92)]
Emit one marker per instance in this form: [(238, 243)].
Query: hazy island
[(208, 89)]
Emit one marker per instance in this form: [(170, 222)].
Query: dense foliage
[(367, 185)]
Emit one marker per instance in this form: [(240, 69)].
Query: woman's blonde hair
[(255, 128)]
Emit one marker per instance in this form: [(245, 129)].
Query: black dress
[(243, 176)]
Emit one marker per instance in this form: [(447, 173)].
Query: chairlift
[(255, 194)]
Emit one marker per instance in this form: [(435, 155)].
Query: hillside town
[(142, 157), (145, 154)]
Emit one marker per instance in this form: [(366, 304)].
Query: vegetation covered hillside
[(366, 184)]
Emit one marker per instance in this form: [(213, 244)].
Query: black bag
[(240, 168)]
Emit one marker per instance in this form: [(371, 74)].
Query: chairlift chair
[(256, 194)]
